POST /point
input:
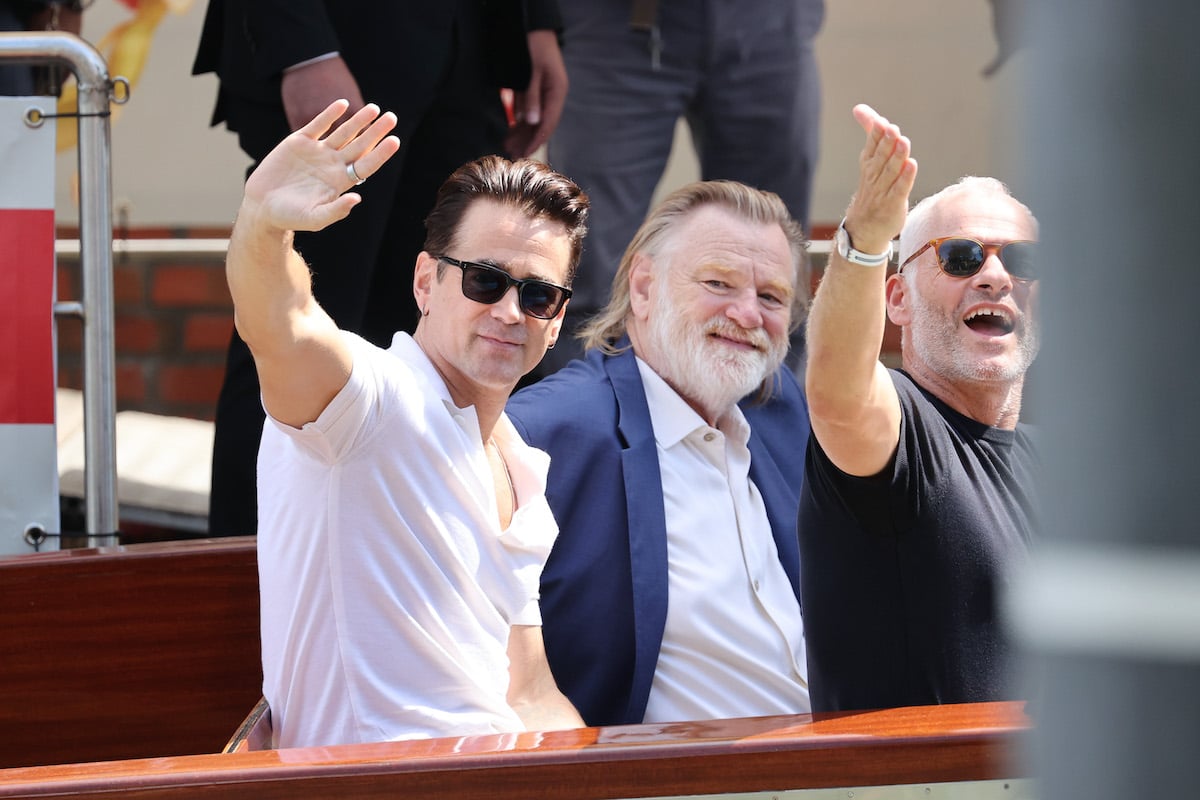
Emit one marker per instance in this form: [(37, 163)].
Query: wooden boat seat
[(138, 651)]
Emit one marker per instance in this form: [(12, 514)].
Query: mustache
[(755, 337)]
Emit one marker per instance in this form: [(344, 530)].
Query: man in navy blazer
[(659, 601)]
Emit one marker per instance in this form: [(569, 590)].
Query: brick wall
[(172, 322)]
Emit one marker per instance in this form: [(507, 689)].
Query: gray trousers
[(741, 72)]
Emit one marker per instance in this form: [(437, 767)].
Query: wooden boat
[(125, 670)]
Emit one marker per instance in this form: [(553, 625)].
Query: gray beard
[(702, 371), (935, 342)]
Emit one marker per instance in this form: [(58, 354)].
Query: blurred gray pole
[(1110, 612)]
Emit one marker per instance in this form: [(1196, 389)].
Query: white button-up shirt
[(734, 639)]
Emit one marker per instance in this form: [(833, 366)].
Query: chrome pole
[(95, 235)]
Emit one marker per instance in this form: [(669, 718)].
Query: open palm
[(304, 183)]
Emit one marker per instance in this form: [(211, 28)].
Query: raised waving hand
[(306, 183)]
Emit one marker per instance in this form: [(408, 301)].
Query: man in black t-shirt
[(918, 490)]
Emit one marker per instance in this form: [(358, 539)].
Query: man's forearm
[(845, 333), (849, 312), (303, 184), (532, 691), (552, 711), (300, 358), (853, 406), (268, 280)]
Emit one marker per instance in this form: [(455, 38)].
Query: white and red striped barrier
[(28, 447)]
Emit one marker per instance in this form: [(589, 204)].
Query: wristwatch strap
[(845, 249)]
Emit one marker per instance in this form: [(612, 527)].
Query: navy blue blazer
[(604, 588)]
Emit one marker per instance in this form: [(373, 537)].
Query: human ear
[(896, 299), (641, 279), (424, 274)]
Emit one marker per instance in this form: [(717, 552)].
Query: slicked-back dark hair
[(527, 185)]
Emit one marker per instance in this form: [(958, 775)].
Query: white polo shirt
[(388, 589), (733, 645)]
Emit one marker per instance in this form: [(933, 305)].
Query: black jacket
[(397, 51)]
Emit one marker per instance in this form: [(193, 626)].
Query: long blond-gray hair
[(754, 205)]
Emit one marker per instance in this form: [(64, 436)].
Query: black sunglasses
[(486, 284), (960, 257)]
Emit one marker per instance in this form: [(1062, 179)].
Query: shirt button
[(708, 437), (756, 586)]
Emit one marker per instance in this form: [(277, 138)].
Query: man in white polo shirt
[(403, 524)]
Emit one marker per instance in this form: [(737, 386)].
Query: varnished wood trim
[(899, 746)]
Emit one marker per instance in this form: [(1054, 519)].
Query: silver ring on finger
[(353, 175)]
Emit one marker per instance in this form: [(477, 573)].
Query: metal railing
[(95, 93)]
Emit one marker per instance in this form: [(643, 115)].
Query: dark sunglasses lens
[(541, 299), (960, 257), (484, 285), (1019, 259)]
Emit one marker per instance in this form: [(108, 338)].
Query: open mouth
[(990, 322)]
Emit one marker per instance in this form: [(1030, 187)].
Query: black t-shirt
[(902, 572)]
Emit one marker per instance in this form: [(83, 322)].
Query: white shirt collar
[(674, 420), (405, 347)]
